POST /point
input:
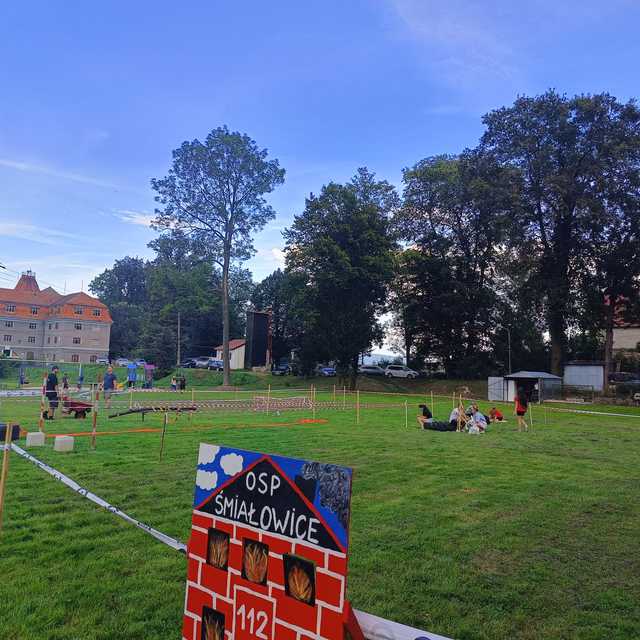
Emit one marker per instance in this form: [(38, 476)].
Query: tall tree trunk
[(608, 344), (353, 374), (226, 376)]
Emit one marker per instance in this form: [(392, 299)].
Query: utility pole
[(178, 349)]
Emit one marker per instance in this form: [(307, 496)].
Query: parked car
[(622, 376), (140, 363), (325, 371), (215, 365), (188, 363), (202, 362), (400, 371), (102, 360), (281, 370), (122, 362), (370, 370)]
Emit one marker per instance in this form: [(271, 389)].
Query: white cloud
[(207, 453), (467, 43), (141, 218), (231, 463), (206, 479), (28, 167), (34, 233), (278, 255)]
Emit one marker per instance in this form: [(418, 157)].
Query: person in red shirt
[(522, 404), (496, 415)]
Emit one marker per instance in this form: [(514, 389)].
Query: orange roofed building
[(41, 324)]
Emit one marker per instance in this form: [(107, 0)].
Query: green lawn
[(504, 535)]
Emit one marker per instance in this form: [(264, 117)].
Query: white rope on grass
[(373, 627)]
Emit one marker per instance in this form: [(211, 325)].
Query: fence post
[(334, 392), (94, 422), (164, 430), (406, 415), (4, 476), (358, 406), (268, 399), (130, 397), (344, 397)]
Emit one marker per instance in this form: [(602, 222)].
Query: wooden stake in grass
[(130, 397), (164, 431), (344, 397), (5, 467), (334, 392), (41, 420), (358, 406), (406, 415), (94, 423), (531, 414), (268, 399)]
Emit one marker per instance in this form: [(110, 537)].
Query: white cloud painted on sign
[(231, 463), (207, 453), (206, 479)]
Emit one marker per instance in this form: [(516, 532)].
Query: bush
[(627, 389)]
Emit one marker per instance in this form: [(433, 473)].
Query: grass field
[(504, 535)]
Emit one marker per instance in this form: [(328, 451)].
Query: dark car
[(622, 376), (281, 370), (215, 365), (189, 363)]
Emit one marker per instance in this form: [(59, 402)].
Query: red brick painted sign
[(267, 555)]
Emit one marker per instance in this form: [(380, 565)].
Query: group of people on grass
[(472, 419)]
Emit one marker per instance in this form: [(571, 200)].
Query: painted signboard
[(267, 555)]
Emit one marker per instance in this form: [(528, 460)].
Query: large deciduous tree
[(339, 255), (572, 155), (214, 194)]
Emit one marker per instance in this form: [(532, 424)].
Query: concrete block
[(35, 439), (63, 443)]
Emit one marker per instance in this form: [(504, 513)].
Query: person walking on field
[(522, 404), (51, 391), (108, 386)]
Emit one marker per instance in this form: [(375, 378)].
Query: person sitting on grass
[(174, 384), (496, 415), (108, 386), (426, 417), (455, 416), (479, 419)]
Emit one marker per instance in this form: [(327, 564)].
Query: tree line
[(529, 240)]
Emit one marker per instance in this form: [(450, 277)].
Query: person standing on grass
[(522, 403), (108, 386), (51, 391)]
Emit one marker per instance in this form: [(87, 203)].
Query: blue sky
[(94, 96)]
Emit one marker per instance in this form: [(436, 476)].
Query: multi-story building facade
[(42, 324)]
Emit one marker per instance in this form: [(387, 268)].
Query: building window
[(33, 325), (76, 341), (31, 339), (56, 325), (78, 326), (9, 324), (75, 358), (48, 339), (55, 339), (77, 311), (93, 359), (34, 311), (10, 308), (30, 355), (96, 313), (7, 338), (50, 326), (53, 357)]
